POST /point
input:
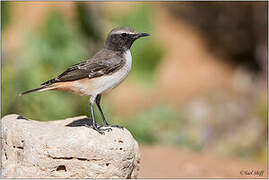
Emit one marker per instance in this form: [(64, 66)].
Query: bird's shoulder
[(102, 63)]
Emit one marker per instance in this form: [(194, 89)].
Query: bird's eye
[(123, 34)]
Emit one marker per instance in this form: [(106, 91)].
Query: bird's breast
[(94, 86), (107, 82)]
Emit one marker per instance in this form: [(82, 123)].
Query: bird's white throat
[(128, 57)]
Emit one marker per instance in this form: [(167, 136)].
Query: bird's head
[(122, 38)]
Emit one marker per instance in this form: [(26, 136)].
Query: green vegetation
[(5, 13), (162, 124), (151, 125), (147, 53), (47, 52)]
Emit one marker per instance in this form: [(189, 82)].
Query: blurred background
[(196, 98)]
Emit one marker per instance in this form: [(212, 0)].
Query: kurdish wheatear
[(104, 71)]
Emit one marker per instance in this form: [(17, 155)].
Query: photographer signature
[(252, 172)]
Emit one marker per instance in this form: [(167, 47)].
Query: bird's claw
[(103, 129), (99, 128)]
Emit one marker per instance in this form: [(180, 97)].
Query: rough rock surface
[(66, 149)]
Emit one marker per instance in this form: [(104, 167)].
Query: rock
[(66, 149)]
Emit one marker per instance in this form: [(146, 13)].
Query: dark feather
[(49, 82), (32, 90), (103, 63)]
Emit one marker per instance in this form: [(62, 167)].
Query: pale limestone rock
[(32, 149)]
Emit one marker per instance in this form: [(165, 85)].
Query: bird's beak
[(143, 35)]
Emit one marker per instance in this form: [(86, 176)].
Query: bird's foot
[(102, 129), (99, 128)]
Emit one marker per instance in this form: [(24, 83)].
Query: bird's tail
[(43, 88)]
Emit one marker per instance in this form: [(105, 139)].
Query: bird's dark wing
[(95, 67)]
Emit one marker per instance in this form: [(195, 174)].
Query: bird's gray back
[(104, 62)]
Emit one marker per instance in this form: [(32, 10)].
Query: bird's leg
[(94, 124), (98, 100)]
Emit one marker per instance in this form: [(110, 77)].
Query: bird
[(99, 74)]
